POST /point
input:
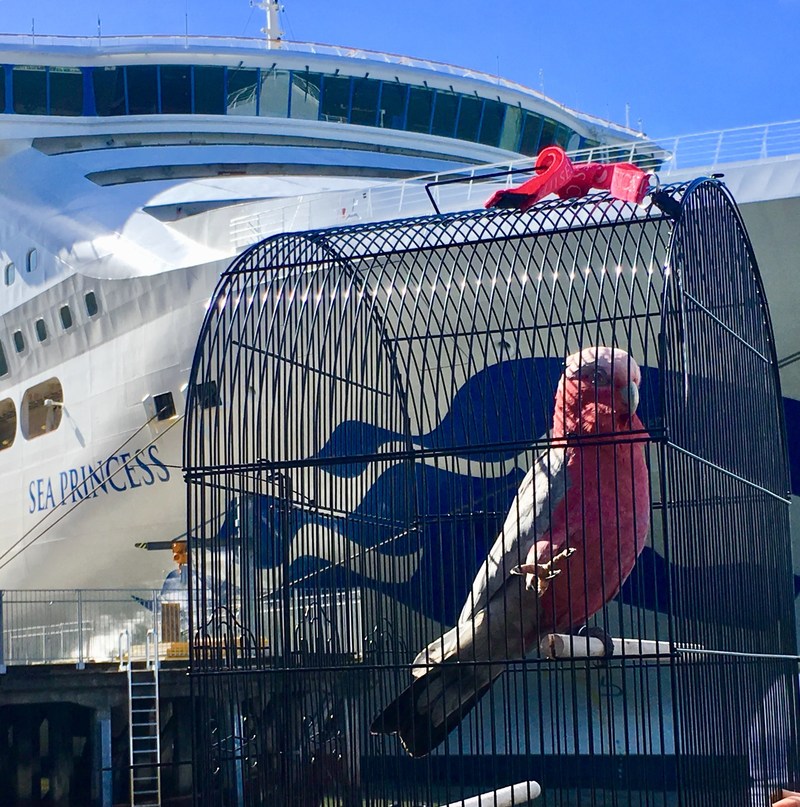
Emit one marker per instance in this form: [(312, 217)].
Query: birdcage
[(374, 410)]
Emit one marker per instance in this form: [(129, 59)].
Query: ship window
[(444, 114), (531, 130), (41, 409), (142, 83), (274, 101), (512, 128), (335, 99), (8, 423), (90, 299), (3, 361), (176, 89), (41, 330), (29, 84), (364, 109), (242, 90), (165, 406), (548, 133), (66, 91), (31, 260), (19, 341), (209, 90), (10, 274), (469, 118), (491, 123), (2, 91), (66, 317), (393, 105), (420, 107), (305, 95), (109, 90)]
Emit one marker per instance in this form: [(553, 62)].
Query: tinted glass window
[(176, 89), (420, 107), (31, 260), (242, 90), (209, 90), (142, 82), (491, 123), (335, 99), (109, 90), (305, 95), (66, 91), (548, 134), (393, 105), (91, 303), (530, 134), (274, 93), (469, 118), (19, 341), (66, 317), (8, 422), (444, 114), (3, 362), (364, 109), (30, 90), (512, 128), (41, 330), (2, 91), (10, 274)]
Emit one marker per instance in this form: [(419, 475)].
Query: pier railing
[(81, 627)]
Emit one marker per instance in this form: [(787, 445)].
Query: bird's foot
[(539, 575)]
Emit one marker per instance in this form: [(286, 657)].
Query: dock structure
[(74, 728)]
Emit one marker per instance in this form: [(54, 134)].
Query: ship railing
[(81, 627), (705, 153)]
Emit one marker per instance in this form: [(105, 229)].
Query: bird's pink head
[(598, 392)]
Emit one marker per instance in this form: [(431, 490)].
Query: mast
[(273, 28)]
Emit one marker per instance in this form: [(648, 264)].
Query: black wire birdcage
[(364, 408)]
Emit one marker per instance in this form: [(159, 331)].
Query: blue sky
[(680, 67)]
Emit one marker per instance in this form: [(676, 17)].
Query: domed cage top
[(384, 418)]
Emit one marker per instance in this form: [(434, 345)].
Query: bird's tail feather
[(433, 705)]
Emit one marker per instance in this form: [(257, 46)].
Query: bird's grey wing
[(540, 493)]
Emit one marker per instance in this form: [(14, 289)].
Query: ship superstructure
[(133, 171)]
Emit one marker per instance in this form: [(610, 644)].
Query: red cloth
[(558, 175)]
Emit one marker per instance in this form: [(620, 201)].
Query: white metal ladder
[(144, 731)]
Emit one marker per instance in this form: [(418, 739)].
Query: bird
[(570, 539)]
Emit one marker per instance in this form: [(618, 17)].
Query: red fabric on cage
[(558, 175)]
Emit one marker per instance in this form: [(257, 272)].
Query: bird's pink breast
[(605, 517)]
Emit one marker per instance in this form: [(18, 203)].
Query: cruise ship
[(134, 170)]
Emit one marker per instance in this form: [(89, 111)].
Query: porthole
[(41, 330), (10, 274), (90, 299), (3, 361), (40, 412), (31, 260), (19, 341), (8, 423), (66, 317)]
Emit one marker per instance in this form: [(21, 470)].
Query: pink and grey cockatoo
[(569, 541)]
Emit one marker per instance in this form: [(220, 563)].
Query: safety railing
[(706, 152), (81, 627)]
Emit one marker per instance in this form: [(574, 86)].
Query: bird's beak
[(630, 395)]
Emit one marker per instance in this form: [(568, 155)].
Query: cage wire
[(365, 406)]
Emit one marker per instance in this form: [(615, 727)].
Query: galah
[(569, 541)]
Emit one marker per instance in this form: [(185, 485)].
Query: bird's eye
[(601, 378)]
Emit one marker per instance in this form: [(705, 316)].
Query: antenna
[(273, 29)]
